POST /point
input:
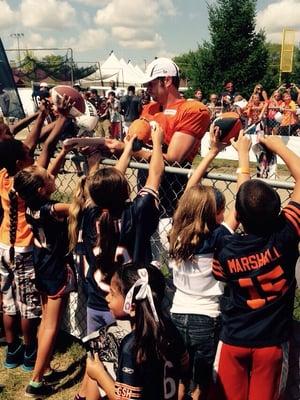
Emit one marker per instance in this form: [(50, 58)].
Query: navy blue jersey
[(260, 273), (96, 288), (50, 254), (138, 222), (154, 379)]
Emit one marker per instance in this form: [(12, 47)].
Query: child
[(255, 110), (113, 229), (196, 228), (152, 358), (259, 269), (16, 265), (54, 278)]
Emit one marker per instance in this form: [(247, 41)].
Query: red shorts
[(243, 373)]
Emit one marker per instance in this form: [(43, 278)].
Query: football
[(141, 128), (79, 105), (88, 120), (230, 126)]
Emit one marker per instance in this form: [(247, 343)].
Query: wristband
[(243, 171)]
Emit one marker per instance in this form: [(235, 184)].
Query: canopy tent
[(114, 70), (139, 71)]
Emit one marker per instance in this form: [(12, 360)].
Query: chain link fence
[(75, 317)]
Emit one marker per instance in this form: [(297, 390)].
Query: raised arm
[(156, 167), (57, 163), (32, 138), (23, 123), (215, 148), (124, 160), (63, 108), (242, 146), (292, 161)]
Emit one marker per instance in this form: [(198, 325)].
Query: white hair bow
[(143, 293)]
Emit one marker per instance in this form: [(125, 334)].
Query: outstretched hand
[(272, 142), (243, 142)]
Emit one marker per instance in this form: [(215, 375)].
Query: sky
[(137, 30)]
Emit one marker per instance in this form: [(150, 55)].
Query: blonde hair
[(76, 207), (194, 217)]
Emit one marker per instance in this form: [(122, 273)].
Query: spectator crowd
[(226, 335)]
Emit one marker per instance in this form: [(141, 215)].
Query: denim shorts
[(201, 335), (97, 319)]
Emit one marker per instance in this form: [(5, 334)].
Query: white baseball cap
[(160, 67), (44, 84)]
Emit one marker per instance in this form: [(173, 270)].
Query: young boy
[(259, 268)]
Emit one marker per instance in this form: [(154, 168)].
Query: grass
[(69, 358)]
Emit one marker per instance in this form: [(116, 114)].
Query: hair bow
[(143, 293)]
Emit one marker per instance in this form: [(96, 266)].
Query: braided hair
[(13, 223)]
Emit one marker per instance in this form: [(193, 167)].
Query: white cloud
[(95, 3), (168, 7), (152, 42), (89, 39), (7, 16), (134, 13), (278, 15), (36, 40), (50, 14), (123, 13), (133, 24)]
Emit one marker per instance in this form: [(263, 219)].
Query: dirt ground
[(69, 358)]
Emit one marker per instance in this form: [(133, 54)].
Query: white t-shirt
[(197, 291)]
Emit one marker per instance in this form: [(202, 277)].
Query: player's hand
[(94, 367), (243, 142), (157, 134), (114, 145), (272, 142)]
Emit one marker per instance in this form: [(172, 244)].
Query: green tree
[(234, 52), (57, 67)]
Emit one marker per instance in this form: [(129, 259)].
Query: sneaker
[(54, 377), (29, 361), (39, 392), (14, 359)]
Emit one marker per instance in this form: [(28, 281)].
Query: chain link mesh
[(75, 317)]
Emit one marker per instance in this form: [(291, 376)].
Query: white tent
[(139, 71), (129, 73), (114, 70)]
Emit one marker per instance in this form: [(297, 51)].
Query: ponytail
[(76, 207), (108, 239), (13, 223)]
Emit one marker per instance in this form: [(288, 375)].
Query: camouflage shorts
[(18, 290)]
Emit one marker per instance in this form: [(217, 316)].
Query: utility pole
[(18, 36)]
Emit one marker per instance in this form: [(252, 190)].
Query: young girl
[(18, 290), (54, 278), (114, 229), (152, 357), (196, 309)]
